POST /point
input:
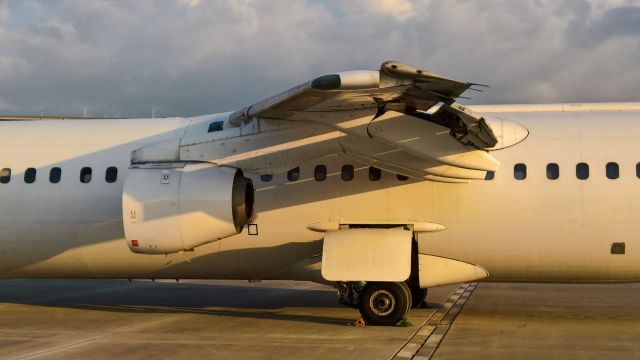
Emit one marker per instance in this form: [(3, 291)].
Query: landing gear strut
[(384, 303), (418, 297)]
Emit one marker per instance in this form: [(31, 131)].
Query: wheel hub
[(382, 302)]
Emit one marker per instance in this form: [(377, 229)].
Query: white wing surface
[(399, 118)]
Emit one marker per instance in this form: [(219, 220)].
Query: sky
[(134, 58)]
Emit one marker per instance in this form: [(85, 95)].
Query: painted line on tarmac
[(426, 340)]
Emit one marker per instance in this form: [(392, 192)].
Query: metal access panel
[(367, 255)]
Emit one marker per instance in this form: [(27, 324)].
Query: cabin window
[(638, 170), (293, 174), (320, 173), (55, 174), (30, 175), (111, 175), (490, 175), (266, 177), (520, 171), (553, 171), (347, 172), (215, 126), (374, 173), (85, 175), (613, 170), (5, 175), (582, 171), (402, 177)]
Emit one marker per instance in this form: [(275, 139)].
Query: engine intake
[(167, 209)]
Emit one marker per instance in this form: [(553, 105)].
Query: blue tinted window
[(30, 175), (111, 175), (489, 175), (520, 171), (266, 177), (293, 174), (613, 170), (582, 171), (215, 126), (54, 175), (553, 171)]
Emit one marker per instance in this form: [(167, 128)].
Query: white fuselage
[(536, 229)]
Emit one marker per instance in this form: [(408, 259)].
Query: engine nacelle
[(167, 209)]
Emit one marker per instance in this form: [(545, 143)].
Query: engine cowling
[(167, 209)]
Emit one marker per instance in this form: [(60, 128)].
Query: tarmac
[(105, 319)]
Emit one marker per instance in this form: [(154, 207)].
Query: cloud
[(187, 57)]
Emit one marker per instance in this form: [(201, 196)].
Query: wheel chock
[(360, 322)]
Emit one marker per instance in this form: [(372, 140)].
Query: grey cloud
[(123, 58)]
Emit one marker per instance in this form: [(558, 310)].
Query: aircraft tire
[(407, 291), (384, 303)]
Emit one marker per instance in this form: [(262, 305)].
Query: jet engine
[(176, 207)]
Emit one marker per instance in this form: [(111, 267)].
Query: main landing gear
[(381, 303)]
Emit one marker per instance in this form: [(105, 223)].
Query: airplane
[(379, 183)]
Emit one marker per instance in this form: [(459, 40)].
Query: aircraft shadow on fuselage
[(68, 206), (146, 297)]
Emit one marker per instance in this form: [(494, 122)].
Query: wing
[(399, 118)]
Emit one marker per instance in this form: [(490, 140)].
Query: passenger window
[(582, 171), (553, 171), (402, 177), (215, 126), (30, 175), (111, 175), (85, 175), (638, 170), (266, 177), (5, 175), (374, 173), (520, 171), (347, 173), (613, 170), (293, 174), (489, 175), (320, 173), (55, 174)]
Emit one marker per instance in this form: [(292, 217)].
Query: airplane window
[(111, 175), (489, 175), (402, 177), (293, 174), (30, 175), (54, 175), (320, 173), (553, 171), (638, 170), (215, 126), (266, 177), (5, 175), (347, 173), (613, 170), (85, 175), (374, 173), (520, 171), (582, 171)]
